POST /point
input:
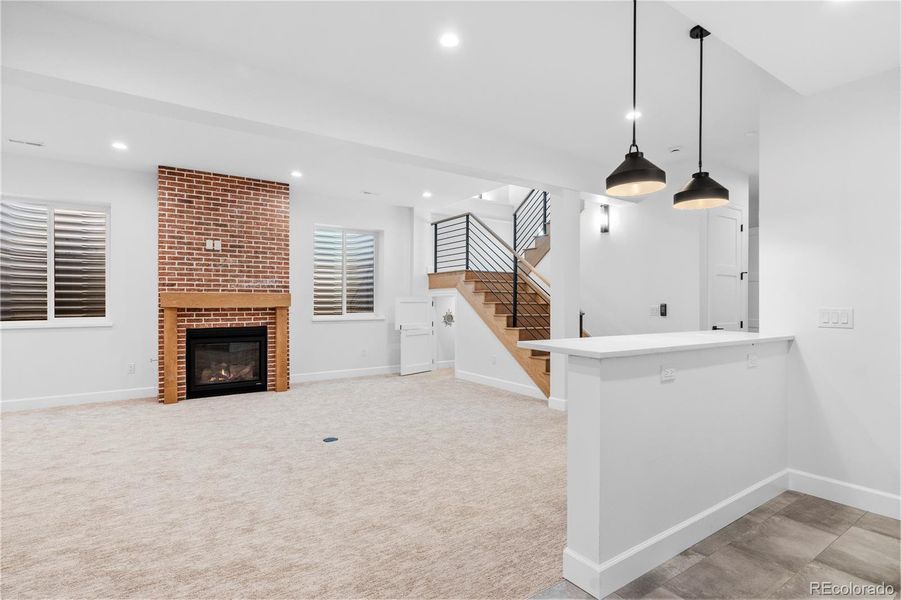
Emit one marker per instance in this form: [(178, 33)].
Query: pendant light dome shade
[(702, 191), (636, 176)]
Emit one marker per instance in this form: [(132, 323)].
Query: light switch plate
[(835, 318), (217, 244), (209, 244)]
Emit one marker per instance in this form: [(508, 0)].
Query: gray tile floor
[(775, 551)]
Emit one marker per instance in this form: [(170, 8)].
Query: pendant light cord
[(634, 69), (700, 104)]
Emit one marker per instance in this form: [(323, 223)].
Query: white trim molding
[(444, 364), (851, 494), (344, 373), (82, 398), (556, 403), (503, 384), (601, 580)]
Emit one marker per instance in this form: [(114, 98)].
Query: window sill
[(57, 324), (341, 318)]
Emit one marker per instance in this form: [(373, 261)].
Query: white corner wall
[(333, 349), (482, 358), (48, 367), (829, 237)]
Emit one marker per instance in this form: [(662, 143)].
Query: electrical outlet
[(131, 368), (667, 374), (654, 311), (363, 352), (209, 244), (217, 244), (493, 360), (753, 360)]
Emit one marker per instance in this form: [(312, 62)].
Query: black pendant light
[(701, 191), (636, 176)]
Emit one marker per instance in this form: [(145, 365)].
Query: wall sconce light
[(605, 218)]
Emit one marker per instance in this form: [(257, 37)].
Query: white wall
[(57, 366), (91, 363), (829, 237), (325, 349), (653, 254), (482, 358)]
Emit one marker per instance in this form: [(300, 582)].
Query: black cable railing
[(530, 219), (464, 243)]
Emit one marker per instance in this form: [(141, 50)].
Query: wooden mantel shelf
[(224, 300), (170, 302)]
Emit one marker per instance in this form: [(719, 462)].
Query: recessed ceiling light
[(296, 173), (427, 194), (449, 40), (632, 115), (119, 145)]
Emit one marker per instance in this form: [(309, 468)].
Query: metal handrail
[(530, 219), (469, 243)]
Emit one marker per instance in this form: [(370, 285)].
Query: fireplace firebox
[(226, 360)]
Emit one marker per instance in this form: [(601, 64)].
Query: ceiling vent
[(27, 143)]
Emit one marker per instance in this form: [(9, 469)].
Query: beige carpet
[(437, 488)]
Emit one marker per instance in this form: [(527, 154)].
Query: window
[(343, 272), (53, 262)]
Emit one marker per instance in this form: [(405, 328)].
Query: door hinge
[(742, 227), (741, 324)]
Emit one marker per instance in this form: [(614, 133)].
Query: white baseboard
[(603, 579), (344, 373), (503, 384), (858, 496), (557, 403), (73, 399), (444, 364)]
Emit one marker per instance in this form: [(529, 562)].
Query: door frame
[(442, 293)]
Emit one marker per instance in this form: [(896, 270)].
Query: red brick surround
[(251, 219)]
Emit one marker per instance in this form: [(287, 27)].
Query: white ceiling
[(810, 46), (83, 130), (359, 95)]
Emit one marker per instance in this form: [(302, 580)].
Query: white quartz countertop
[(611, 346)]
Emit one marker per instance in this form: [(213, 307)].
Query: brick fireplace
[(222, 262)]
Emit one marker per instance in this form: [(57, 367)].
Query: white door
[(414, 317), (416, 350), (727, 269)]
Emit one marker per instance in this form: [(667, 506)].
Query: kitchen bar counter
[(670, 437), (611, 346)]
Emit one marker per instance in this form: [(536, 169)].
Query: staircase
[(509, 294)]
